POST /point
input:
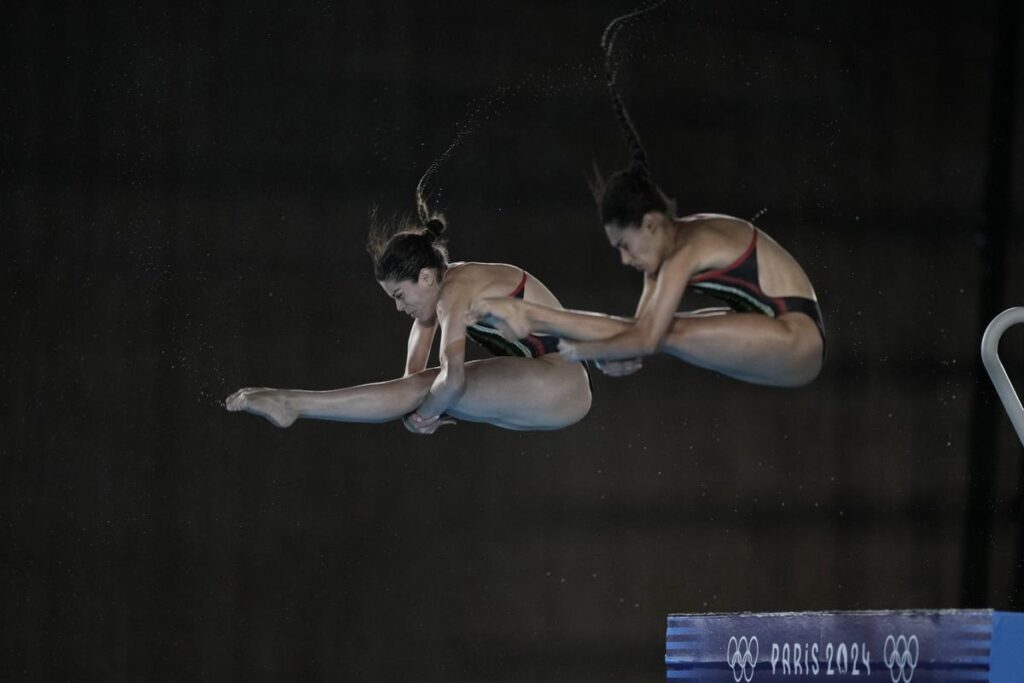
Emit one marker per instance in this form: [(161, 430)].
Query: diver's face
[(638, 246), (416, 298)]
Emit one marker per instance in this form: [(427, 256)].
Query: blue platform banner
[(887, 646)]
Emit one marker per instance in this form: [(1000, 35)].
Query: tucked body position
[(527, 385), (771, 331)]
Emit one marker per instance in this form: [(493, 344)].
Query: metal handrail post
[(996, 371)]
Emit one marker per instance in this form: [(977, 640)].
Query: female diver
[(771, 333), (527, 386)]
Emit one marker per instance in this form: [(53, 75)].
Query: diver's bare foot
[(506, 315), (268, 403)]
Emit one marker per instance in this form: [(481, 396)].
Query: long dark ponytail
[(638, 162), (627, 195)]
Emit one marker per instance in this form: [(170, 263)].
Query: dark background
[(185, 196)]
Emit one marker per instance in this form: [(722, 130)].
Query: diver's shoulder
[(477, 273), (715, 220), (480, 268), (701, 227)]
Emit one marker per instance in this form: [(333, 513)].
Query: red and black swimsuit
[(739, 286), (530, 346)]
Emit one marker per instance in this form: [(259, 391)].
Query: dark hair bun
[(638, 169), (435, 226)]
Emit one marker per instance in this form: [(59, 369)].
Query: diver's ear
[(427, 277), (649, 221)]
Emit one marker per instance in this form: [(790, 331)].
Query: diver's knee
[(809, 360), (582, 402), (676, 336), (574, 402)]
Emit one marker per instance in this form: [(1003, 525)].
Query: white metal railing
[(996, 371)]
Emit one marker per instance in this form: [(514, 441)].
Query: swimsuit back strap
[(740, 260), (519, 290)]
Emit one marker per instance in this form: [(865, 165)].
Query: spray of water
[(531, 87), (638, 165), (548, 83), (611, 32), (478, 112)]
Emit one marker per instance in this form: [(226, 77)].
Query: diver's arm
[(646, 296), (620, 367), (451, 380), (421, 338), (643, 336)]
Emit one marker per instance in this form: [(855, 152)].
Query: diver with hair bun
[(526, 386), (771, 331)]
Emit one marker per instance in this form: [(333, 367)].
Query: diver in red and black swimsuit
[(772, 333), (529, 346), (739, 285), (526, 387)]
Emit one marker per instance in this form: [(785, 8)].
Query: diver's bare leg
[(515, 393), (782, 351)]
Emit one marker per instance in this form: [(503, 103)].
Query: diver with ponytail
[(771, 329), (526, 386)]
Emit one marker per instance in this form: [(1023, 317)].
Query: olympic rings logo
[(739, 655), (900, 656)]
